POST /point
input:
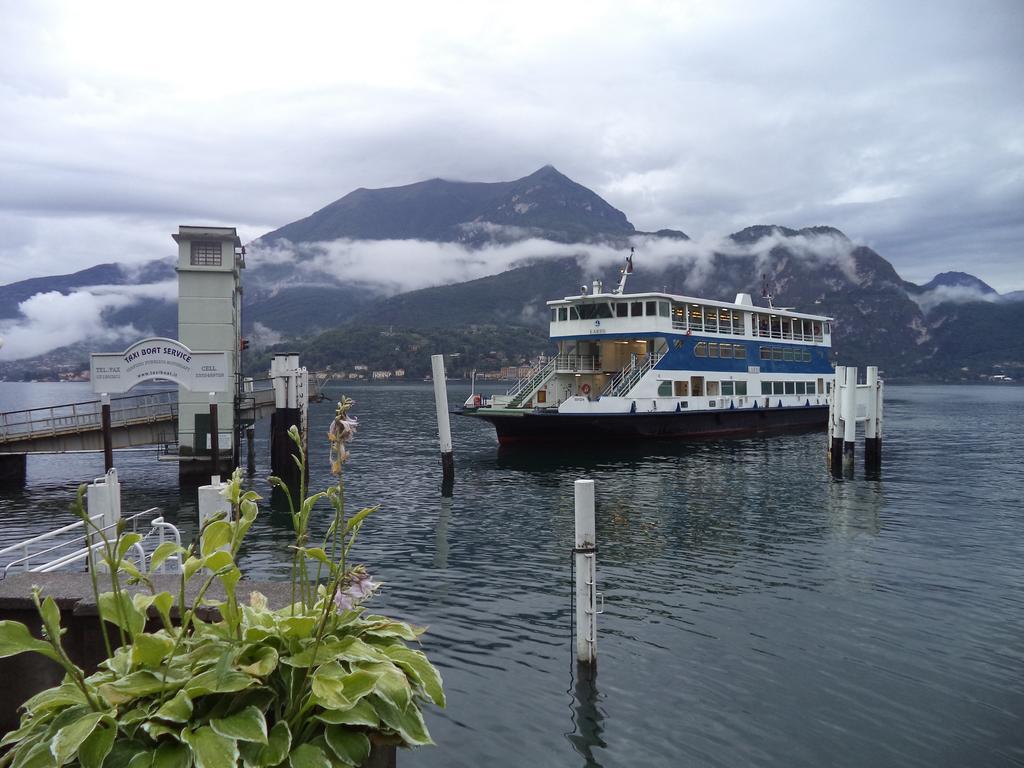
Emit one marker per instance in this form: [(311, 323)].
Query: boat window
[(663, 309), (725, 350), (563, 313), (652, 308), (790, 388), (776, 353), (738, 323), (574, 313), (760, 325), (801, 388), (807, 355), (766, 353), (683, 390), (811, 390), (712, 349), (554, 315), (817, 330), (787, 328), (678, 343), (621, 309), (636, 309), (727, 388), (711, 319), (828, 328), (712, 390), (739, 351), (787, 354), (700, 350), (741, 388), (778, 388), (696, 317), (766, 387), (725, 321), (665, 389)]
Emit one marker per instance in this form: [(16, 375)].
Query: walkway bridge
[(135, 421)]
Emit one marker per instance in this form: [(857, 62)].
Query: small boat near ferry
[(657, 365)]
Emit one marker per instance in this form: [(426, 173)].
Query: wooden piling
[(585, 554), (214, 438), (250, 449), (444, 430), (108, 440)]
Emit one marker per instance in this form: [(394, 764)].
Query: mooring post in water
[(849, 418), (290, 403), (835, 424), (214, 437), (212, 501), (108, 438), (873, 425), (444, 430), (250, 449), (585, 554)]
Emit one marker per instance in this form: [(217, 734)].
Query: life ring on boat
[(585, 389), (689, 332)]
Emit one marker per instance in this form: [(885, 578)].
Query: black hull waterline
[(552, 427)]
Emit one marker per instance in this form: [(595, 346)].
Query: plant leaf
[(126, 542), (408, 723), (215, 535), (351, 746), (358, 517), (362, 713), (149, 650), (172, 754), (308, 756), (97, 745), (177, 710), (64, 745), (258, 660), (279, 742), (15, 638), (246, 725), (415, 665), (134, 620), (218, 681), (162, 552), (210, 749)]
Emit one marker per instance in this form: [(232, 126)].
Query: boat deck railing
[(578, 363)]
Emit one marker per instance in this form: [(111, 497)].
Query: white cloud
[(52, 319), (896, 122)]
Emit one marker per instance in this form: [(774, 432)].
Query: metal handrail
[(630, 374), (84, 551)]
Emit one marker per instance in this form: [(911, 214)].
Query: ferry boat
[(656, 365)]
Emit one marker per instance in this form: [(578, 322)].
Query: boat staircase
[(76, 546), (528, 386), (622, 382)]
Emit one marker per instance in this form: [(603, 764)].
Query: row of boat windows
[(604, 310), (734, 388), (786, 353), (717, 349), (698, 317)]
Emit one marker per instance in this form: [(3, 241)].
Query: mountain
[(496, 252), (546, 204), (957, 280)]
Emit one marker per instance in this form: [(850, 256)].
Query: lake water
[(757, 611)]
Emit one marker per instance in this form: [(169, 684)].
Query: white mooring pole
[(849, 418), (444, 430), (585, 553)]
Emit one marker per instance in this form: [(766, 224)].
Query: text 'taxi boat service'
[(654, 365)]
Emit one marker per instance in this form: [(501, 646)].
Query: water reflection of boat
[(657, 365)]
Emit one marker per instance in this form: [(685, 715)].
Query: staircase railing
[(527, 386), (627, 378)]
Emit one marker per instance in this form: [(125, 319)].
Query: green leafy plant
[(214, 683)]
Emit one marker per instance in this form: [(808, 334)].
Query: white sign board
[(157, 358)]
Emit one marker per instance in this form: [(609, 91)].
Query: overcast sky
[(901, 123)]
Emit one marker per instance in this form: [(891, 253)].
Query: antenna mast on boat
[(766, 292), (626, 271)]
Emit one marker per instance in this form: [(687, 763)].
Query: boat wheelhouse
[(660, 365)]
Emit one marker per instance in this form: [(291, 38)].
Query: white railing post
[(444, 429), (585, 555), (849, 418)]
